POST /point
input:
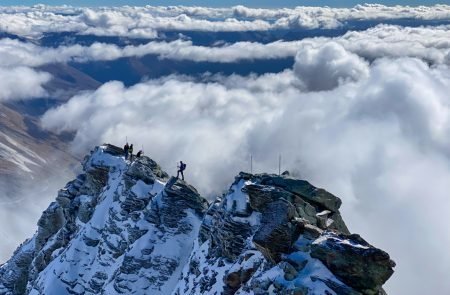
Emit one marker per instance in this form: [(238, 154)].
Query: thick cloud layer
[(430, 44), (326, 67), (378, 140), (22, 83), (364, 115), (146, 22)]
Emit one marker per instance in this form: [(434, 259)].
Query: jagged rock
[(50, 222), (177, 198), (290, 272), (236, 279), (261, 195), (113, 150), (339, 289), (338, 223), (16, 277), (312, 232), (305, 190), (359, 264), (276, 233), (125, 228), (146, 169), (229, 237)]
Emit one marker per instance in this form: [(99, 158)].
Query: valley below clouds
[(354, 100)]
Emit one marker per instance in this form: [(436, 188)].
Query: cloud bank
[(22, 83), (146, 22), (429, 43), (364, 115), (373, 135)]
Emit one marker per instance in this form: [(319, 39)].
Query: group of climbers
[(128, 149)]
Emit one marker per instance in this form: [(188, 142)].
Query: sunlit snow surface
[(79, 263)]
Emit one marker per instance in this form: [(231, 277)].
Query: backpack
[(183, 166)]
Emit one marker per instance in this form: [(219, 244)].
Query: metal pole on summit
[(251, 164)]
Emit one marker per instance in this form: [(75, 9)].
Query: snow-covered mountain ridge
[(127, 228)]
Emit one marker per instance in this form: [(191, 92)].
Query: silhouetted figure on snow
[(139, 154), (181, 168), (131, 152), (126, 148)]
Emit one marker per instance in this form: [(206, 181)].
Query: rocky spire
[(100, 235), (128, 228)]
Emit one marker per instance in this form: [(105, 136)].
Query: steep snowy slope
[(116, 229), (126, 228)]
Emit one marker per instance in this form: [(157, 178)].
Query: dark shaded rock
[(132, 203), (244, 176), (305, 190), (261, 195), (16, 277), (177, 198), (290, 272), (229, 237), (113, 150), (277, 233), (339, 289), (90, 242), (354, 261), (146, 169), (312, 232), (96, 180), (338, 223), (234, 280), (51, 221)]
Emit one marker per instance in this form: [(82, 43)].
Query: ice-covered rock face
[(119, 228), (277, 235), (127, 228)]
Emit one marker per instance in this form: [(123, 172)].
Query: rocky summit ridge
[(129, 228)]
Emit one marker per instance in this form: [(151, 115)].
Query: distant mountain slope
[(127, 228), (27, 152)]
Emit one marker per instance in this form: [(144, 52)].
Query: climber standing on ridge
[(126, 149), (181, 168), (131, 152)]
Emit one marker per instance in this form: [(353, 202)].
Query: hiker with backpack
[(126, 148), (181, 168)]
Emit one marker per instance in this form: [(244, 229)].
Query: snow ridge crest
[(129, 228)]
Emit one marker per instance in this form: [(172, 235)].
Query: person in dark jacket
[(126, 148), (139, 154), (131, 152), (181, 168)]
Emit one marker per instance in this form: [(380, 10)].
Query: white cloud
[(22, 83), (430, 44), (378, 137), (379, 142), (145, 22), (326, 67)]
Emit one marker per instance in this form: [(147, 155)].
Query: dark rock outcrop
[(126, 228), (305, 190), (352, 259), (177, 197), (278, 231)]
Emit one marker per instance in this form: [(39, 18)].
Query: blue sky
[(222, 3)]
